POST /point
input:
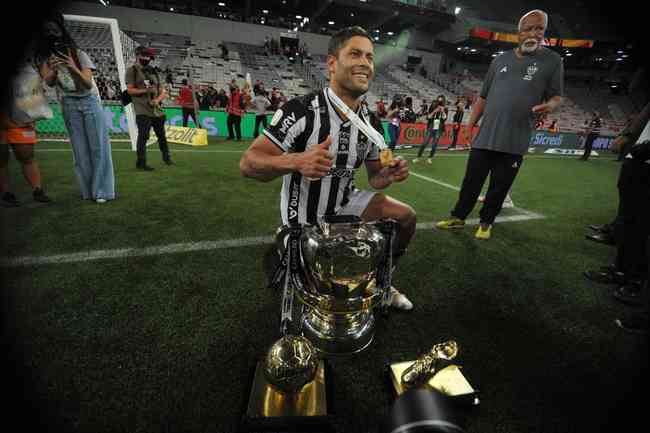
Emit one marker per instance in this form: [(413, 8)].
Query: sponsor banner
[(567, 140), (414, 133), (214, 122), (180, 135), (411, 133), (568, 152)]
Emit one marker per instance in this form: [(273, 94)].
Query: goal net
[(111, 50)]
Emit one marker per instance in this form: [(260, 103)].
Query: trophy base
[(269, 409), (333, 335), (450, 381)]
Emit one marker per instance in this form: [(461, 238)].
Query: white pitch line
[(437, 182), (87, 256), (187, 247)]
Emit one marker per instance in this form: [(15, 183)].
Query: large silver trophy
[(347, 274), (339, 271)]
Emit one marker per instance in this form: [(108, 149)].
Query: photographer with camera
[(67, 68), (147, 93), (435, 127)]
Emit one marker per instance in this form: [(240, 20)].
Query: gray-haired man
[(520, 85)]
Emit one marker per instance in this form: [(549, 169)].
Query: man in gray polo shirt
[(520, 86)]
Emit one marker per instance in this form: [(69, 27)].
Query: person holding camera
[(435, 127), (395, 114), (67, 68), (147, 94)]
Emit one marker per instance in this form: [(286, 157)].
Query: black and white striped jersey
[(304, 122)]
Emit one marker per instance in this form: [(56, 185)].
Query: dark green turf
[(166, 343)]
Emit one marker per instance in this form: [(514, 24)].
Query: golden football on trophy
[(290, 363)]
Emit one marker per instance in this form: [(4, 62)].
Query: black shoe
[(9, 200), (168, 161), (605, 228), (630, 294), (612, 269), (634, 323), (40, 196), (601, 238), (606, 277)]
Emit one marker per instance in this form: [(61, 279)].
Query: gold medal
[(386, 157)]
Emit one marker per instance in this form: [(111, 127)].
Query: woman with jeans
[(395, 114), (435, 127), (70, 70)]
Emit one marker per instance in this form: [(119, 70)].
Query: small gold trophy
[(434, 369)]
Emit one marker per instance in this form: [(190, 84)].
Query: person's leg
[(454, 135), (144, 129), (230, 122), (478, 167), (382, 206), (24, 153), (634, 188), (195, 117), (158, 124), (427, 138), (588, 145), (186, 115), (392, 132), (238, 127), (502, 176), (264, 122), (258, 120), (434, 144), (74, 113), (103, 177)]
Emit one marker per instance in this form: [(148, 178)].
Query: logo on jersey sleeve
[(276, 117), (288, 122)]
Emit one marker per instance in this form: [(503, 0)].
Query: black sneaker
[(630, 294), (9, 200), (602, 238), (168, 161), (144, 167), (40, 196), (635, 323), (605, 276)]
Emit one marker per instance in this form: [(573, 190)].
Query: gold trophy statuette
[(430, 363)]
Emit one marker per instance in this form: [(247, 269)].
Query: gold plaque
[(449, 381)]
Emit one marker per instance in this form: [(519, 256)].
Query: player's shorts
[(20, 135), (358, 202)]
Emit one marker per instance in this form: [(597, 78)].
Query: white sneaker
[(399, 300), (100, 200), (415, 160), (429, 161)]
